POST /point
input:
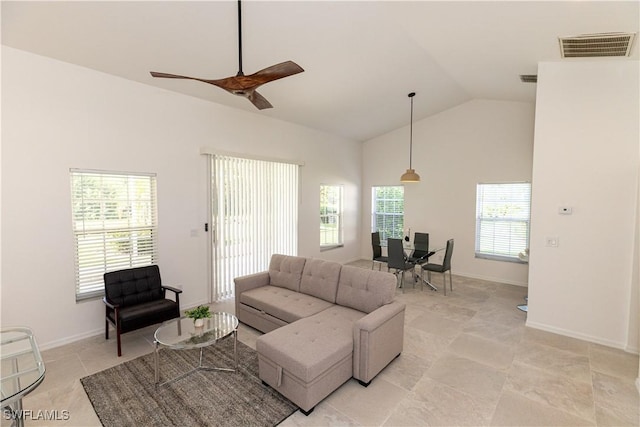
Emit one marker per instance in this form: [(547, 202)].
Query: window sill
[(328, 248), (501, 258)]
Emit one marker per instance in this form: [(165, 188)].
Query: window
[(330, 216), (387, 212), (502, 220), (114, 225)]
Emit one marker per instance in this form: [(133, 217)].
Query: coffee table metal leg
[(235, 347), (157, 362)]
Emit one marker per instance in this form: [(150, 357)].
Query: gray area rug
[(125, 395)]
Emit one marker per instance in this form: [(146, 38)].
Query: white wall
[(586, 156), (478, 141), (57, 116)]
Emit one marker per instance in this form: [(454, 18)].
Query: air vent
[(529, 78), (593, 45)]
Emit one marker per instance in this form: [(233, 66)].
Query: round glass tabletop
[(182, 334)]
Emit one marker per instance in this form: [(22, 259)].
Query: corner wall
[(57, 116), (478, 141), (586, 157)]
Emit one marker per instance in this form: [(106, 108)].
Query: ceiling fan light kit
[(240, 84), (410, 175)]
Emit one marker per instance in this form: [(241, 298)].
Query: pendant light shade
[(410, 175)]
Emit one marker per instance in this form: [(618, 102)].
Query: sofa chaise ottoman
[(324, 323)]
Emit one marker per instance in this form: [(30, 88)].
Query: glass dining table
[(22, 370)]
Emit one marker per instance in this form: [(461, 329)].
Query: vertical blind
[(114, 224), (254, 215), (502, 220)]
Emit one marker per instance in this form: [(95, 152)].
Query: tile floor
[(468, 359)]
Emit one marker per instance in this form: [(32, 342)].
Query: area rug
[(125, 395)]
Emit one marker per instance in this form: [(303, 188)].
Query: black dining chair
[(420, 252), (442, 268), (397, 259), (377, 251)]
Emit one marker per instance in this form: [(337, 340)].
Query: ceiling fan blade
[(258, 100), (278, 71)]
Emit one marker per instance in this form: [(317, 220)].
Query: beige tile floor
[(468, 359)]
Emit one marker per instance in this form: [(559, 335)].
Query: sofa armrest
[(377, 340), (252, 281)]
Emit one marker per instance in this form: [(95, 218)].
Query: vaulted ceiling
[(361, 58)]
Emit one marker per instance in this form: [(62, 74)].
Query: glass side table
[(22, 370), (181, 334)]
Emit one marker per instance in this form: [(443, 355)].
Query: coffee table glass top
[(182, 334)]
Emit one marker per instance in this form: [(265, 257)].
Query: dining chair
[(420, 252), (377, 251), (442, 268), (397, 259)]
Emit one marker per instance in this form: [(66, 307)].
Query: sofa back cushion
[(365, 290), (320, 279), (133, 286), (286, 271)]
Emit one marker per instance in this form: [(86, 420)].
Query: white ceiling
[(361, 58)]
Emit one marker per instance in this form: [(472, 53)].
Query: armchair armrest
[(377, 340), (175, 291), (110, 305)]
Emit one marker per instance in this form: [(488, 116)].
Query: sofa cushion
[(320, 279), (283, 303), (286, 271), (313, 345), (365, 290)]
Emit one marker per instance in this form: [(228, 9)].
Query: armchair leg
[(106, 329), (119, 343)]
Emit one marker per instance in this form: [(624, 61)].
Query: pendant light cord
[(411, 95)]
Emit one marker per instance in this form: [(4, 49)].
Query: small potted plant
[(198, 315)]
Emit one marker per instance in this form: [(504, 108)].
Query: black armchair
[(135, 298)]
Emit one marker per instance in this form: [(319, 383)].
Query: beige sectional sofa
[(324, 323)]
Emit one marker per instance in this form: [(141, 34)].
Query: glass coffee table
[(181, 334)]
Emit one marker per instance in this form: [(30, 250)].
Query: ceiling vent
[(594, 45), (529, 78)]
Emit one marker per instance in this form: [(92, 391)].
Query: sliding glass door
[(254, 215)]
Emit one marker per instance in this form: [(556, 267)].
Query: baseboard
[(68, 340), (584, 337), (489, 278)]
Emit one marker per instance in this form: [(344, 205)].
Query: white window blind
[(387, 212), (502, 220), (255, 214), (114, 224), (330, 216)]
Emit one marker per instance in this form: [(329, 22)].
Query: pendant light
[(410, 175)]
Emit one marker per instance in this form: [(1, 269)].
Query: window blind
[(330, 216), (115, 225), (255, 214), (387, 212), (502, 220)]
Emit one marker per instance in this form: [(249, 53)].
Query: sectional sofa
[(324, 323)]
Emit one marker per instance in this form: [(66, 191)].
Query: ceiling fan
[(242, 85)]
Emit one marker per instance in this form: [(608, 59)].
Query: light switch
[(552, 242)]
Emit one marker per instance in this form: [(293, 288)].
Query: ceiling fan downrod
[(240, 73)]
